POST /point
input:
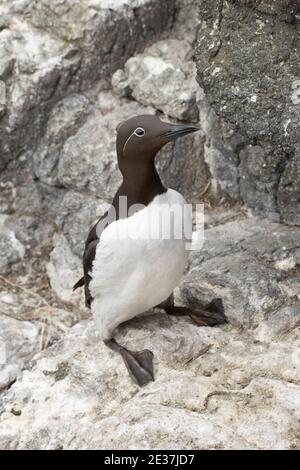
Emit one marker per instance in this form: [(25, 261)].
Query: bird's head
[(141, 137)]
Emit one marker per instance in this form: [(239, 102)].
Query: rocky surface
[(69, 73), (247, 60), (243, 384), (215, 388)]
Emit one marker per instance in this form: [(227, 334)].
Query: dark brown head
[(141, 137)]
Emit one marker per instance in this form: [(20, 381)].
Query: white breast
[(139, 261)]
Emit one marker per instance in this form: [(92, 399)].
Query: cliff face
[(247, 58), (70, 71)]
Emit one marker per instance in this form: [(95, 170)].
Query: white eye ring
[(139, 132)]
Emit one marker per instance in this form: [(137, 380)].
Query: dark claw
[(207, 315), (139, 365)]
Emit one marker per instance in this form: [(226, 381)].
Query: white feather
[(132, 271)]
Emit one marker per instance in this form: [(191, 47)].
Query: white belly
[(138, 262)]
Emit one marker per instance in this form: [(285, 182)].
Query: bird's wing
[(89, 256)]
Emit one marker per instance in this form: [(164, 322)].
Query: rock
[(18, 344), (120, 84), (288, 192), (80, 380), (31, 232), (239, 260), (76, 215), (163, 77), (259, 179), (182, 167), (220, 151), (2, 98), (248, 289), (248, 87), (221, 216), (64, 120), (106, 34), (275, 430), (37, 74), (11, 249), (48, 51), (88, 161), (64, 269), (279, 323), (186, 21)]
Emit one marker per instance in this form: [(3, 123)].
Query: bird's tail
[(79, 283)]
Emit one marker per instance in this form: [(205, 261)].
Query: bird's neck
[(141, 182)]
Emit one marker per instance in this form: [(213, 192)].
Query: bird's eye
[(139, 132)]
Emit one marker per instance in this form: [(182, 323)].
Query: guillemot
[(127, 271)]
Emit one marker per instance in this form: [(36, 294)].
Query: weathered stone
[(182, 167), (75, 216), (231, 376), (239, 260), (31, 232), (259, 178), (289, 193), (64, 269), (236, 277), (106, 34), (2, 98), (163, 77), (88, 161), (120, 84), (18, 344), (247, 63), (63, 122), (54, 48), (11, 249), (220, 151), (278, 323)]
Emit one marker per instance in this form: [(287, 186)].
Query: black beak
[(179, 130)]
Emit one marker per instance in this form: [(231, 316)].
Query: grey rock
[(2, 98), (283, 321), (88, 162), (248, 289), (64, 269), (30, 231), (186, 20), (120, 84), (259, 179), (50, 49), (249, 88), (182, 167), (18, 344), (106, 34), (244, 260), (34, 82), (221, 216), (163, 77), (64, 120), (75, 216), (7, 58), (288, 192), (232, 378), (220, 151), (11, 249)]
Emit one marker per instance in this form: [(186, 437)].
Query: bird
[(129, 266)]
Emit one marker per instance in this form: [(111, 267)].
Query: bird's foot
[(207, 315), (138, 363)]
